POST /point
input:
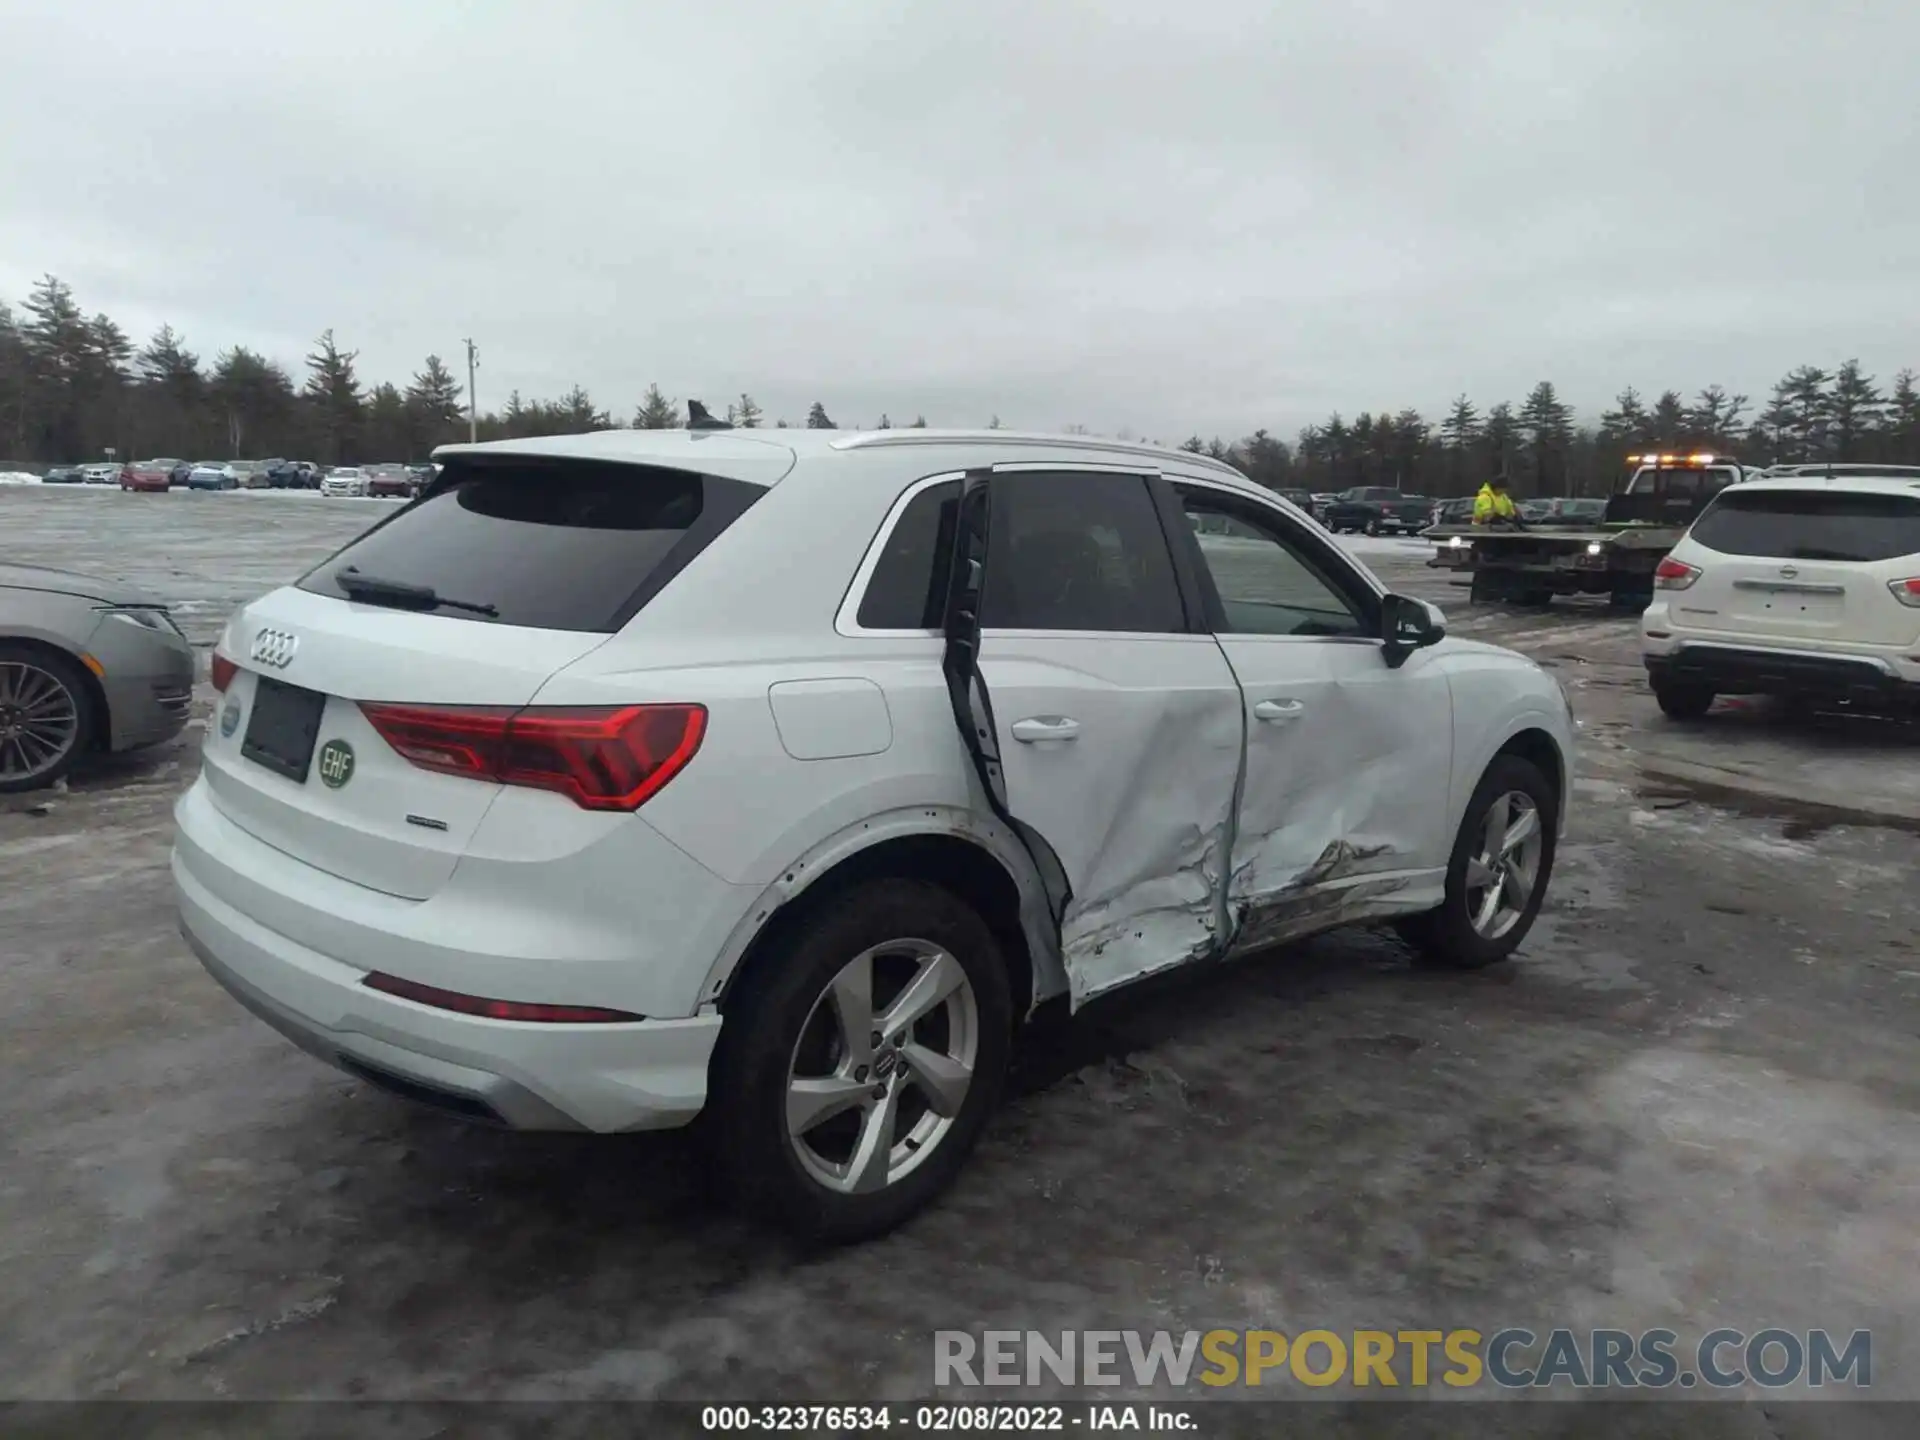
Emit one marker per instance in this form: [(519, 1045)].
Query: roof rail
[(877, 439)]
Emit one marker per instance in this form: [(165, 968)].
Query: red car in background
[(391, 481), (148, 475)]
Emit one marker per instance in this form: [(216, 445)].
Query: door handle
[(1279, 710), (1045, 727)]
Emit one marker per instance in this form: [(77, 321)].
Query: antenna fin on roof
[(699, 419)]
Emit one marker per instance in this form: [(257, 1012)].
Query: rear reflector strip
[(496, 1009)]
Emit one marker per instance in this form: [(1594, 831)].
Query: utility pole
[(473, 414)]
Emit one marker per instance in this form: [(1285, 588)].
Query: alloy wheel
[(39, 720), (1503, 871), (883, 1066)]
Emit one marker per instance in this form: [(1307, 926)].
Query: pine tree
[(576, 414), (1900, 428), (1462, 428), (1194, 445), (434, 408), (1548, 426), (919, 423), (656, 412), (15, 375), (1669, 419), (1854, 410), (1714, 418), (254, 399), (1460, 433), (885, 423), (1799, 412), (333, 391), (1628, 423), (1411, 437), (60, 359), (817, 418), (388, 430), (1499, 435), (745, 413)]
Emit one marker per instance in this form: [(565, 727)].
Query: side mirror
[(1407, 625)]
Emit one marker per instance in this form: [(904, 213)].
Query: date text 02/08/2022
[(941, 1419)]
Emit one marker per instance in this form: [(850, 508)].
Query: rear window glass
[(549, 545), (1811, 525), (907, 590)]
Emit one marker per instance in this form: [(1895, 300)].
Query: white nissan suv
[(1803, 586), (775, 778)]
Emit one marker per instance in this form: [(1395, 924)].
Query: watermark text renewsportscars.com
[(1507, 1359)]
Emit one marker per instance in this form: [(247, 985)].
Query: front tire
[(1498, 873), (859, 1063), (46, 717)]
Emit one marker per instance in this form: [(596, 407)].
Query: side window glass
[(1078, 550), (1268, 585), (908, 587)]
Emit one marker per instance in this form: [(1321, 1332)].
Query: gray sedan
[(85, 665)]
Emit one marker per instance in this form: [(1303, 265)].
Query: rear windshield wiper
[(401, 595)]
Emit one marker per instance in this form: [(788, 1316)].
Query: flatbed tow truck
[(1615, 557)]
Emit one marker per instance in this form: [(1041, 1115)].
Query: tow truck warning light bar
[(1699, 459)]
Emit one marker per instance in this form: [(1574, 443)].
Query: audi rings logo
[(275, 648)]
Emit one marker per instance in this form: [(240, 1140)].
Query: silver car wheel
[(39, 720), (1502, 873), (882, 1067)]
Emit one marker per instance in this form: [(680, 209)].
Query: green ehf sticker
[(336, 764)]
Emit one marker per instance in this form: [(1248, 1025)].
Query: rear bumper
[(1729, 669), (651, 1074)]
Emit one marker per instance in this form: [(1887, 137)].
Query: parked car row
[(391, 479)]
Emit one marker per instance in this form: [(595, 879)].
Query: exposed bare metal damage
[(1311, 910), (1157, 910)]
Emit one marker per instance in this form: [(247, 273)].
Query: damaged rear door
[(1105, 723), (1343, 806)]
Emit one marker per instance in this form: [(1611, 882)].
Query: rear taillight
[(1907, 592), (496, 1009), (1672, 574), (610, 758), (223, 671)]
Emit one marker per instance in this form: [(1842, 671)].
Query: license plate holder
[(283, 728)]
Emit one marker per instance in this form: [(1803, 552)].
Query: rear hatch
[(1807, 564), (510, 569)]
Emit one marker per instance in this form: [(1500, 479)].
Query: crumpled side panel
[(1358, 786), (1136, 807)]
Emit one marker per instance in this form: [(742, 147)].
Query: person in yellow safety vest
[(1493, 506)]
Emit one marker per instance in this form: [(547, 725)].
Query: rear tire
[(1470, 930), (787, 1050), (1684, 702), (46, 717)]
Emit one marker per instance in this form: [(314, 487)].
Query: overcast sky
[(1163, 216)]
